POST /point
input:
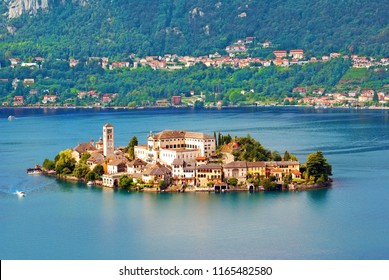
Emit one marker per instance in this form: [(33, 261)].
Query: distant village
[(237, 57), (180, 160)]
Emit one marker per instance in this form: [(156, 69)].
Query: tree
[(84, 157), (233, 181), (48, 164), (81, 170), (162, 184), (375, 98), (289, 157), (276, 156), (91, 176), (130, 147), (64, 162), (125, 182), (318, 167), (99, 170)]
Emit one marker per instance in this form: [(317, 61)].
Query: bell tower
[(108, 140)]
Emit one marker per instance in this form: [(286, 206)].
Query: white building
[(168, 145)]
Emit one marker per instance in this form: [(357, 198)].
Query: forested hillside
[(154, 27)]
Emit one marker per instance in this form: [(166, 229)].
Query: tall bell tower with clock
[(108, 140)]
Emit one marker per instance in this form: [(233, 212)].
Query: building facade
[(168, 145)]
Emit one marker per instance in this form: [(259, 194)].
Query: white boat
[(21, 194), (90, 183), (11, 118)]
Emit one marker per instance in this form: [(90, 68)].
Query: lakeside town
[(179, 160), (236, 56)]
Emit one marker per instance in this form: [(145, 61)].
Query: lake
[(64, 220)]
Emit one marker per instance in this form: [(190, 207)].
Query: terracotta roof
[(256, 164), (83, 147), (276, 170), (167, 134), (108, 125), (116, 162), (236, 164), (178, 161), (209, 166), (295, 172), (287, 163), (137, 162), (201, 158)]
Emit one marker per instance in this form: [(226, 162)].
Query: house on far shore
[(296, 54), (18, 100), (280, 54)]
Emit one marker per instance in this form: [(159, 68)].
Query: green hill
[(154, 27)]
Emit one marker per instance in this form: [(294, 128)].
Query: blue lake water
[(62, 220)]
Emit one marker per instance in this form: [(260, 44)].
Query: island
[(183, 161)]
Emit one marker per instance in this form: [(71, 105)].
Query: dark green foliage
[(118, 28), (289, 157), (91, 176), (48, 164), (81, 170), (130, 147), (270, 183), (162, 184), (99, 170), (318, 167), (233, 181), (251, 150), (84, 157), (126, 182)]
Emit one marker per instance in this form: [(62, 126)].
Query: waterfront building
[(236, 169), (210, 172), (154, 173), (111, 180), (256, 168), (183, 172)]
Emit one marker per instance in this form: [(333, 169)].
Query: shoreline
[(122, 108), (98, 183)]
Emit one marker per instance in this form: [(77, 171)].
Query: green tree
[(84, 157), (276, 156), (233, 181), (91, 176), (130, 147), (289, 157), (162, 184), (48, 164), (318, 167), (126, 182), (99, 170), (64, 162), (81, 170)]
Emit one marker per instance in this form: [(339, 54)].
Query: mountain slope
[(196, 27)]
